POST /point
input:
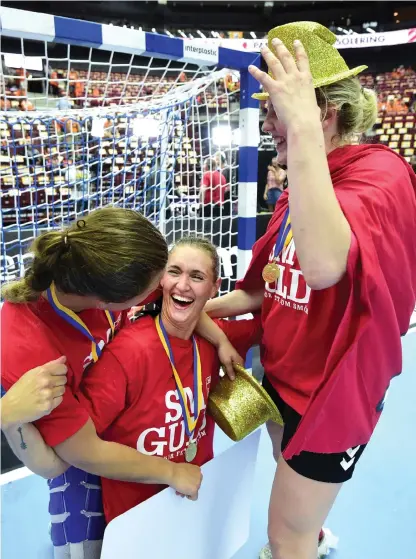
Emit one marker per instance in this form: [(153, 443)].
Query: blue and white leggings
[(76, 514)]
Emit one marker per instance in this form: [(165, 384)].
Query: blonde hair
[(356, 106), (112, 253)]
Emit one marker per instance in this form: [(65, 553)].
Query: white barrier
[(216, 526)]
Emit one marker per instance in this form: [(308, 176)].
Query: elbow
[(50, 473), (324, 277)]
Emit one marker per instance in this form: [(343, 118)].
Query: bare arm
[(87, 451), (321, 231), (236, 303), (227, 354), (28, 445), (34, 395)]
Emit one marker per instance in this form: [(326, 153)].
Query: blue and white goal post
[(95, 114)]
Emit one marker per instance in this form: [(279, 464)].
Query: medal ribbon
[(74, 320), (285, 235), (190, 423)]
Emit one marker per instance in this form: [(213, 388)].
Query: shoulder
[(374, 173), (135, 340), (25, 341), (375, 161), (19, 320)]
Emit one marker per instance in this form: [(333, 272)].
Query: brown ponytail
[(112, 253)]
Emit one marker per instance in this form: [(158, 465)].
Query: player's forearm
[(207, 328), (236, 303), (28, 445), (113, 460)]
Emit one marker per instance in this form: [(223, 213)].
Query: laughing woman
[(149, 389)]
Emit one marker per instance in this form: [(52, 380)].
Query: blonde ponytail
[(356, 106), (369, 104)]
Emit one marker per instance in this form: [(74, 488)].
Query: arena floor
[(374, 515)]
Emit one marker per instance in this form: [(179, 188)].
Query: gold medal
[(271, 272), (191, 451)]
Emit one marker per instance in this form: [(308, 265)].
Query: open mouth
[(182, 302), (278, 142)]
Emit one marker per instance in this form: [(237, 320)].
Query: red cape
[(376, 189)]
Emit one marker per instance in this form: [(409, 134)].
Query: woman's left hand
[(228, 357), (291, 89)]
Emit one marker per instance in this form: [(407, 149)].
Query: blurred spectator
[(53, 82), (274, 187), (212, 191), (63, 103)]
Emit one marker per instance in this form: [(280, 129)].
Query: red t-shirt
[(333, 353), (132, 398), (33, 334), (214, 183), (299, 324)]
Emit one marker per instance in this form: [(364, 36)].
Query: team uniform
[(132, 397), (33, 334), (329, 355)]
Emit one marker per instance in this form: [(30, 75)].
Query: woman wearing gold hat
[(326, 277)]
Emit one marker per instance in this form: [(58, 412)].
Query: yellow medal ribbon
[(190, 422), (74, 320)]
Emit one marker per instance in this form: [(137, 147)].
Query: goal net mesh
[(81, 129)]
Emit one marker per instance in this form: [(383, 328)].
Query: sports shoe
[(327, 542)]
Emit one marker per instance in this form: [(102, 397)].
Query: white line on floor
[(14, 475)]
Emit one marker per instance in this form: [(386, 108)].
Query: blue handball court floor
[(374, 517)]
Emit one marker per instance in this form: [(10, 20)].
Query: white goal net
[(82, 128)]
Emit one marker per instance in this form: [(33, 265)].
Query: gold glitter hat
[(240, 406), (326, 63)]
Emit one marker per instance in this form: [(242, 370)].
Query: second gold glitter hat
[(240, 406), (326, 63)]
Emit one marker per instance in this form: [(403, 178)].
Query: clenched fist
[(35, 394), (186, 480)]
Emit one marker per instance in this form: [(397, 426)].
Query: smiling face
[(278, 132), (273, 126), (188, 283)]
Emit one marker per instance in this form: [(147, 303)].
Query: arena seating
[(38, 163), (106, 88), (396, 122)]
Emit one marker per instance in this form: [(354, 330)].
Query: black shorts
[(329, 468)]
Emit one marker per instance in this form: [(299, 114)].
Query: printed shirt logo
[(290, 289), (169, 440)]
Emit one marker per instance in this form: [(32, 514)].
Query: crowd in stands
[(396, 122), (39, 165), (94, 88)]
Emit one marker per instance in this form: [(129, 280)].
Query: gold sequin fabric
[(326, 63), (241, 406)]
